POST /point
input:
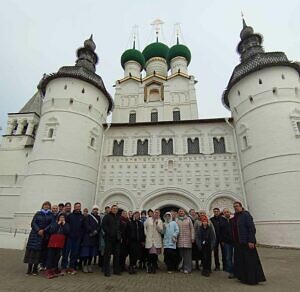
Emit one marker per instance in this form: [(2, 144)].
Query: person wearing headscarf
[(170, 231), (36, 248), (185, 240)]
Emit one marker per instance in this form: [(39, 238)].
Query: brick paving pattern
[(281, 268)]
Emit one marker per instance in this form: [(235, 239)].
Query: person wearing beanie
[(36, 249), (205, 240)]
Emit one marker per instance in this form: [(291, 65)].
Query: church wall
[(13, 168), (178, 93), (197, 181)]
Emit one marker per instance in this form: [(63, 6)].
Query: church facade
[(156, 152)]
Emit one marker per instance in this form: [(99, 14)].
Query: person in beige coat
[(153, 228), (185, 240)]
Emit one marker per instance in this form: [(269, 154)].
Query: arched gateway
[(170, 198)]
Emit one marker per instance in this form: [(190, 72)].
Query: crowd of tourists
[(65, 241)]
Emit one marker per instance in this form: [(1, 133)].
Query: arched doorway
[(168, 208)]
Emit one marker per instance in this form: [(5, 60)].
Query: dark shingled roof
[(83, 70), (253, 58)]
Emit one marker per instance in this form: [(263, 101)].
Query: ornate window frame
[(295, 119), (53, 124), (244, 135)]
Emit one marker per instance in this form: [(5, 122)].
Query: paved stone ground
[(281, 268)]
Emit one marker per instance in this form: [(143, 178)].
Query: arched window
[(219, 145), (298, 126), (118, 148), (92, 142), (50, 133), (193, 146), (132, 117), (34, 131), (15, 127), (167, 147), (25, 126), (142, 147), (176, 115), (154, 116)]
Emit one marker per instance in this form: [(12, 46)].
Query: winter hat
[(95, 207)]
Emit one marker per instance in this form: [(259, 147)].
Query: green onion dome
[(179, 50), (133, 55), (156, 50)]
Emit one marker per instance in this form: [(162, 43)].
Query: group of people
[(64, 241)]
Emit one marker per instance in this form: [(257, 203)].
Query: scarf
[(45, 212)]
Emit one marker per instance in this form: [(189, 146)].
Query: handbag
[(57, 240)]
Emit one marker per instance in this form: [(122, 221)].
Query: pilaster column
[(30, 127)]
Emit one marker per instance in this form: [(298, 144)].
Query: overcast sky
[(40, 36)]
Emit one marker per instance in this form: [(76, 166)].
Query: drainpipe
[(239, 162), (100, 163)]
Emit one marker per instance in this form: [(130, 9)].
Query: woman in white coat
[(153, 227)]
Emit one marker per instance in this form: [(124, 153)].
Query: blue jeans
[(71, 248), (228, 252)]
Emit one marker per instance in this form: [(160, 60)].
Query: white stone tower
[(264, 98), (64, 165)]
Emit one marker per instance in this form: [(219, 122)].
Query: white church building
[(156, 152)]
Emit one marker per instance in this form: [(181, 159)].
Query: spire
[(251, 43), (178, 31), (86, 56)]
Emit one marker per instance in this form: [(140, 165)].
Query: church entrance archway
[(168, 208)]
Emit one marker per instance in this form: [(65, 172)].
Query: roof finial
[(157, 24), (135, 34), (244, 22), (90, 44), (178, 31)]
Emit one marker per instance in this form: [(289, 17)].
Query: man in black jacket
[(226, 239), (112, 237), (216, 221), (75, 221), (136, 240)]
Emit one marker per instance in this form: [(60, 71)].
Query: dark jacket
[(135, 231), (243, 228), (91, 230), (40, 221), (111, 226), (75, 220), (226, 231), (217, 221), (205, 237), (56, 228)]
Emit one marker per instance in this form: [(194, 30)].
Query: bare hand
[(193, 240), (41, 232), (251, 245)]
